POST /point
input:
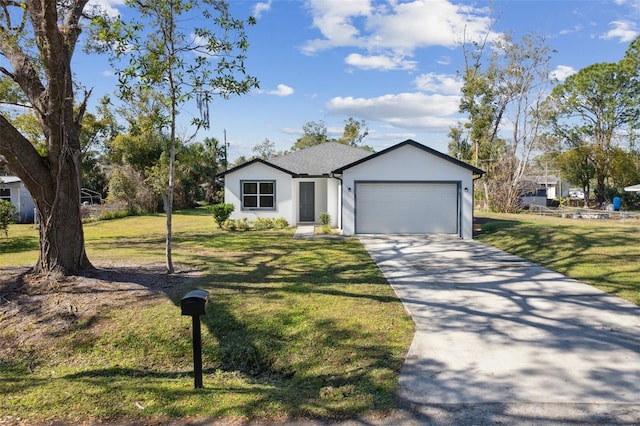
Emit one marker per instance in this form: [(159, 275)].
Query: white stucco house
[(13, 190), (408, 188)]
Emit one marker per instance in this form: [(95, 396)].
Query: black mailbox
[(194, 303)]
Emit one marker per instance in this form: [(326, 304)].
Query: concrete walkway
[(492, 328), (304, 231)]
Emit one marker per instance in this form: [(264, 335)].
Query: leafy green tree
[(196, 168), (92, 142), (265, 150), (625, 169), (596, 107), (354, 132), (239, 161), (140, 142), (205, 62), (313, 133), (502, 93), (577, 167), (37, 43), (459, 146), (123, 188)]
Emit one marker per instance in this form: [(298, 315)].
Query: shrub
[(280, 223), (325, 218), (117, 214), (243, 224), (7, 210), (262, 223), (221, 212)]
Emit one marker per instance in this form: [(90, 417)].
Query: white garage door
[(406, 208)]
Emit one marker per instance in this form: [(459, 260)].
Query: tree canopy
[(315, 133), (597, 110), (177, 63)]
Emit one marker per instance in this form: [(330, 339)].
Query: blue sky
[(391, 63)]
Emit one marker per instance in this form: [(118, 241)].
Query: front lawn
[(601, 252), (294, 328)]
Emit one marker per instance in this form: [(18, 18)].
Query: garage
[(407, 207), (407, 188)]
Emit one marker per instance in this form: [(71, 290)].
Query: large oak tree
[(37, 41)]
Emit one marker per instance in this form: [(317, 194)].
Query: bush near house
[(7, 211), (260, 224), (325, 218), (221, 212)]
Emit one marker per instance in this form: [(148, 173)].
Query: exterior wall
[(287, 194), (408, 164), (21, 199), (557, 190), (284, 205), (320, 197), (333, 201)]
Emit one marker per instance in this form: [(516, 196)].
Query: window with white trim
[(258, 194), (5, 194)]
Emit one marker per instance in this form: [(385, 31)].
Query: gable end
[(418, 145)]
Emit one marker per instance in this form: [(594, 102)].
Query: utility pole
[(226, 147)]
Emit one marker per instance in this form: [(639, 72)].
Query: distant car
[(576, 193)]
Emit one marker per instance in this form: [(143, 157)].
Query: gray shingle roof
[(320, 159)]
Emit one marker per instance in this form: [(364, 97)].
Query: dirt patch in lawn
[(36, 309)]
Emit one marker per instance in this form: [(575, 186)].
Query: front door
[(307, 201)]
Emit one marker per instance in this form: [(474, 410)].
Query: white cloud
[(562, 72), (624, 31), (444, 60), (260, 8), (575, 29), (379, 62), (398, 27), (107, 6), (406, 110), (282, 91), (334, 19), (439, 83)]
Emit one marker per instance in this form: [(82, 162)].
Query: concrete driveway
[(493, 328)]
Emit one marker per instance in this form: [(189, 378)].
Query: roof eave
[(256, 160), (474, 170)]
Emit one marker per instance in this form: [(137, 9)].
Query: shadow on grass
[(18, 244), (572, 247), (270, 332)]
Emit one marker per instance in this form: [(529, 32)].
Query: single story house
[(407, 188), (554, 185), (13, 190)]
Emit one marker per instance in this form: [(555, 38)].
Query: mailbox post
[(194, 304)]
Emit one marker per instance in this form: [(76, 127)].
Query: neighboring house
[(408, 188), (555, 186), (13, 190)]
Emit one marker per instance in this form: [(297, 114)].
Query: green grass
[(294, 328), (600, 252)]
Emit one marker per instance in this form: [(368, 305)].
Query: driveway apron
[(492, 327)]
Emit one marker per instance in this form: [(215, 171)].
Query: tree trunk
[(600, 189), (55, 188), (61, 234)]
